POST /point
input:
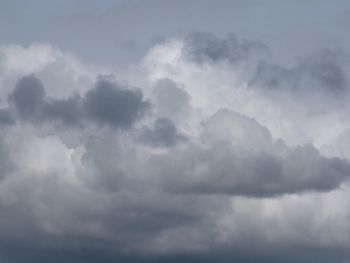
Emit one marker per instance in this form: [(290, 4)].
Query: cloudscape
[(174, 131)]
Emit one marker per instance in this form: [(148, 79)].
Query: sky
[(174, 131)]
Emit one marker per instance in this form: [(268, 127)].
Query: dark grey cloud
[(114, 105), (226, 172), (229, 168), (6, 117), (321, 72), (7, 162), (68, 111), (107, 103), (163, 133), (64, 216), (208, 48), (28, 97)]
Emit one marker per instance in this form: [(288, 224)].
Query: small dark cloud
[(208, 48), (28, 97), (68, 111), (6, 117), (114, 105), (325, 69), (273, 77), (321, 72), (163, 133)]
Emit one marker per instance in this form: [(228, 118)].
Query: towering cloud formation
[(220, 155)]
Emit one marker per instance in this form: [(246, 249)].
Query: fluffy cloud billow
[(206, 150)]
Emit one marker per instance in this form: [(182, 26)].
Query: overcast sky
[(174, 131)]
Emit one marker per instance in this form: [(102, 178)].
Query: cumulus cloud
[(114, 105), (237, 156), (106, 104), (170, 99), (28, 97), (164, 133), (204, 161)]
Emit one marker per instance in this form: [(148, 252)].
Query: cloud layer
[(209, 151)]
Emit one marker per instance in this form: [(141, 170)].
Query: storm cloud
[(147, 177), (221, 135)]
